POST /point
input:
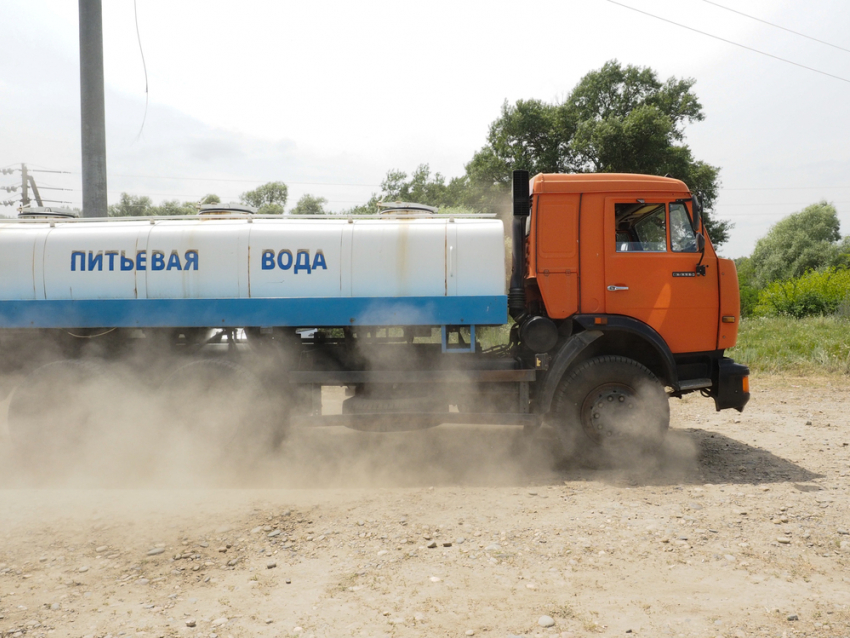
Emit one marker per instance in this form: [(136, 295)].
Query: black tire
[(611, 403), (225, 405), (57, 409)]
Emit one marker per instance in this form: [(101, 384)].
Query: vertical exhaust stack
[(522, 206)]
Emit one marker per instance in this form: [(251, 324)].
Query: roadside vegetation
[(813, 345), (795, 297)]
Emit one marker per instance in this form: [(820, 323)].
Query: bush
[(749, 300), (817, 293)]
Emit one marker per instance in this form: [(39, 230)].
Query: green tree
[(620, 119), (803, 241), (420, 187), (210, 198), (131, 206), (173, 207), (309, 205), (268, 199), (747, 285)]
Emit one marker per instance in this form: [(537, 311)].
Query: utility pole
[(25, 197), (92, 108)]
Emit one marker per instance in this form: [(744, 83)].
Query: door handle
[(616, 288)]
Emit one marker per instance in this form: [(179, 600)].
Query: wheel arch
[(628, 337), (617, 336)]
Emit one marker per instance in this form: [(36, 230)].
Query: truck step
[(694, 384)]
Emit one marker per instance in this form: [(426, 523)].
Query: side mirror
[(700, 243), (697, 204)]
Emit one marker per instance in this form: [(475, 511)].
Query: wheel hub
[(606, 411)]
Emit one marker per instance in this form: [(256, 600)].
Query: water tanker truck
[(616, 302)]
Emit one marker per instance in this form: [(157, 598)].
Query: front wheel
[(611, 402)]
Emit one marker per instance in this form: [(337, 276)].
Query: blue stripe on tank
[(234, 313)]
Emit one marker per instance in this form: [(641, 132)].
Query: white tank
[(252, 259)]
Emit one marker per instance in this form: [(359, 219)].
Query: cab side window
[(682, 235), (641, 227)]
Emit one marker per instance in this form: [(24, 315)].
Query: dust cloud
[(172, 422)]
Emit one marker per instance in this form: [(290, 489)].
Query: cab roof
[(604, 182)]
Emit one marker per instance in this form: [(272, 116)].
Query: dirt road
[(739, 529)]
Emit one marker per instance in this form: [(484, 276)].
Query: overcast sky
[(328, 96)]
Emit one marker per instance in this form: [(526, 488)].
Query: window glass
[(641, 227), (682, 237)]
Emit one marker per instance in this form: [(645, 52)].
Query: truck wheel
[(611, 402), (224, 404), (57, 409)]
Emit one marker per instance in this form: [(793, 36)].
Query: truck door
[(650, 263), (556, 238)]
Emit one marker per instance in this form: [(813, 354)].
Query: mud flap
[(732, 389)]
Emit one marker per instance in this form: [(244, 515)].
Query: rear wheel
[(225, 404), (611, 402)]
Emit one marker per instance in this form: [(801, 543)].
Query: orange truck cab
[(622, 263)]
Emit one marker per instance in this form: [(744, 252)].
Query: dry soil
[(739, 528)]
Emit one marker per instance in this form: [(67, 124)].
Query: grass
[(815, 345)]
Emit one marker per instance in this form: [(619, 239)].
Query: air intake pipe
[(521, 206)]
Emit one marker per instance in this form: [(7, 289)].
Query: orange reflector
[(600, 321), (729, 319), (745, 383)]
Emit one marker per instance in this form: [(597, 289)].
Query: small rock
[(546, 621), (383, 552), (460, 540), (784, 540), (432, 544), (219, 621), (83, 570), (271, 564), (190, 622), (469, 632), (793, 617), (269, 621), (101, 549), (492, 548), (435, 579), (843, 532), (156, 551)]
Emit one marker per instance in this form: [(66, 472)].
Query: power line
[(737, 44), (809, 203), (785, 188), (802, 35), (239, 181), (145, 67)]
